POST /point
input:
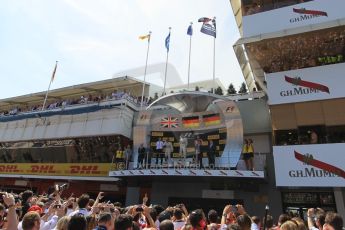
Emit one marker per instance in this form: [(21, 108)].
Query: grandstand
[(294, 51), (73, 138)]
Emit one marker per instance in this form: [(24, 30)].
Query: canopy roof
[(75, 90), (188, 102)]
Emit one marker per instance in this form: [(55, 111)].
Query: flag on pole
[(204, 20), (207, 28), (214, 24), (167, 42), (190, 30), (143, 37), (54, 71)]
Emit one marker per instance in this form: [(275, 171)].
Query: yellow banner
[(46, 169)]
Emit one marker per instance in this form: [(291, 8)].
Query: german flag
[(211, 119), (190, 122)]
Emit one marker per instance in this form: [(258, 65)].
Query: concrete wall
[(102, 122), (161, 191)]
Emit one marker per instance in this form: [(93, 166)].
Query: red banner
[(309, 84), (308, 159), (312, 12)]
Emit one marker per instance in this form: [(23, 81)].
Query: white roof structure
[(205, 85)]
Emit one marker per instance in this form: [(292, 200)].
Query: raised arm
[(11, 214)]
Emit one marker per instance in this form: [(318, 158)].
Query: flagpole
[(51, 80), (190, 51), (214, 62), (166, 65), (147, 57)]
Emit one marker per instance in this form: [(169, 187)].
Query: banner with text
[(319, 165), (293, 16), (310, 84), (46, 169)]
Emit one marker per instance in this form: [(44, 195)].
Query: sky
[(93, 40)]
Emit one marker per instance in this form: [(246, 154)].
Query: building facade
[(294, 51)]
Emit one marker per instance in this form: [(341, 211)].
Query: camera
[(60, 188)]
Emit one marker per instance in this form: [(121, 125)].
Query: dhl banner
[(64, 169)]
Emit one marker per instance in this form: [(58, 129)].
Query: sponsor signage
[(319, 165), (101, 169), (188, 171), (293, 16), (310, 84)]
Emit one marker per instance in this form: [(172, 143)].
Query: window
[(286, 137)]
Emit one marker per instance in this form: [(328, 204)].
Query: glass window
[(336, 134), (286, 137), (312, 134)]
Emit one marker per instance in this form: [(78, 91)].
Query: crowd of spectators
[(98, 149), (83, 99), (256, 6), (300, 51), (60, 211)]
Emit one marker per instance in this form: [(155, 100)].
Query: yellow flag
[(144, 37)]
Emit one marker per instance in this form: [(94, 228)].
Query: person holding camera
[(316, 218)]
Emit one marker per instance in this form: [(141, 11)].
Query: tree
[(219, 91), (243, 88), (196, 88), (155, 96), (231, 89)]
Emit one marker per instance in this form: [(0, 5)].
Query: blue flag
[(167, 42), (190, 30)]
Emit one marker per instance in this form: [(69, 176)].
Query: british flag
[(169, 122)]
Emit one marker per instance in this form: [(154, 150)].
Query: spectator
[(289, 225), (165, 215), (300, 223), (105, 222), (197, 219), (282, 219), (178, 219), (333, 221), (166, 225), (269, 222), (26, 201), (313, 137), (244, 222), (91, 222), (212, 217), (62, 224), (83, 202), (255, 223), (31, 221), (124, 222), (2, 216), (77, 222)]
